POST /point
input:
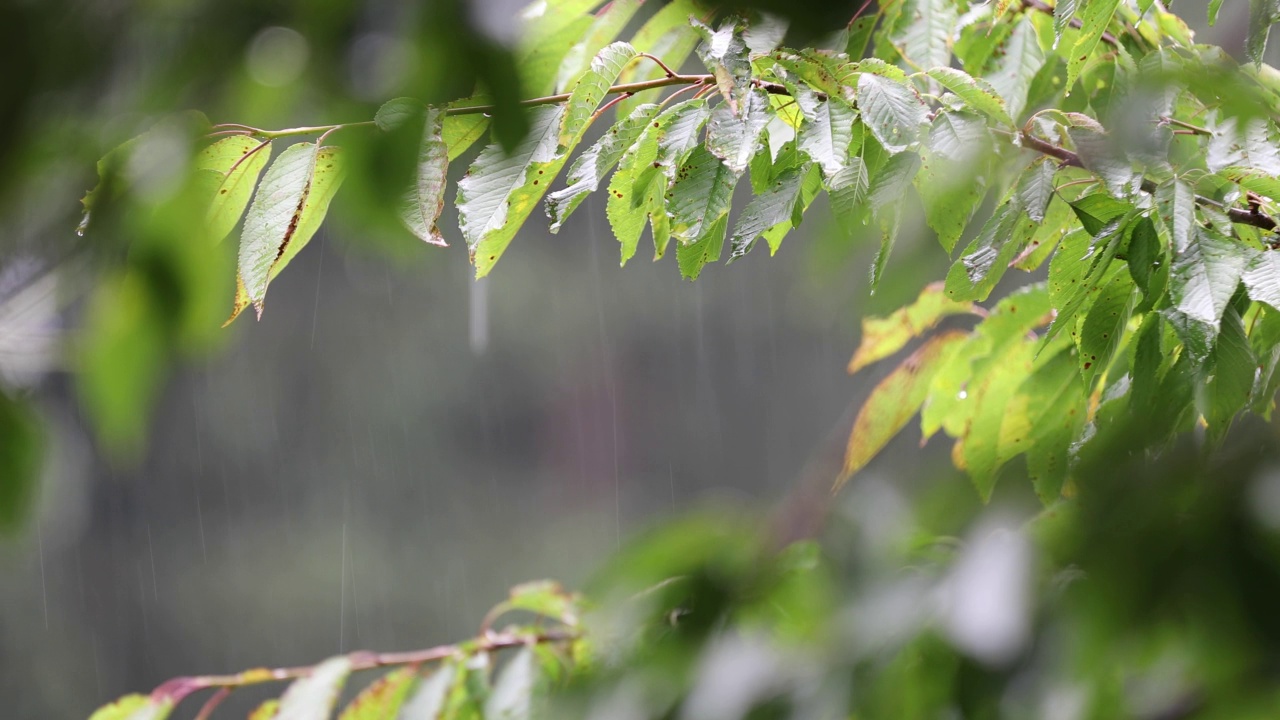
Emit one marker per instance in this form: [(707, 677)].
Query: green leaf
[(1064, 11), (1262, 15), (725, 54), (1055, 406), (1104, 325), (607, 24), (1262, 278), (236, 162), (424, 201), (382, 699), (895, 400), (950, 181), (992, 395), (734, 138), (501, 190), (692, 258), (892, 110), (398, 112), (134, 707), (1254, 180), (595, 162), (1074, 289), (888, 194), (1022, 58), (1202, 280), (976, 93), (1096, 211), (1148, 261), (827, 135), (882, 337), (678, 134), (774, 206), (313, 696), (512, 697), (667, 35), (544, 597), (1243, 143), (1035, 188), (428, 701), (591, 89), (627, 209), (701, 196), (849, 191), (984, 260), (925, 41), (21, 445), (460, 132), (266, 711), (1094, 18), (1229, 381), (1214, 7), (288, 208)]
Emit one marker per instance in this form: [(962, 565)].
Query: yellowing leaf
[(134, 707), (882, 337), (382, 699), (894, 401), (235, 162)]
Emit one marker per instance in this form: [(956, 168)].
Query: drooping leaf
[(950, 182), (1202, 280), (428, 701), (591, 89), (735, 137), (692, 258), (700, 196), (236, 162), (382, 699), (1262, 278), (826, 137), (1262, 15), (134, 707), (501, 190), (891, 110), (1104, 325), (888, 195), (590, 168), (398, 112), (627, 208), (607, 24), (984, 260), (1077, 288), (1095, 15), (425, 200), (726, 55), (1022, 58), (314, 696), (513, 693), (894, 401), (992, 394), (1229, 381), (1064, 11), (1055, 406), (882, 337), (288, 208), (849, 190), (775, 205)]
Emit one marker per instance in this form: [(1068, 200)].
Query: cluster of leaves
[(452, 681)]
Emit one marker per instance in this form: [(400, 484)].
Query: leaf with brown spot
[(234, 165), (382, 699)]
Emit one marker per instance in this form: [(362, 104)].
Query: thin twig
[(206, 710), (670, 73), (1192, 129)]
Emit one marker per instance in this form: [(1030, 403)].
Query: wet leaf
[(892, 110), (134, 707), (314, 696), (595, 162), (425, 200), (882, 337), (382, 699), (235, 164)]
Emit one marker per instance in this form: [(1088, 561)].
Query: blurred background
[(393, 445)]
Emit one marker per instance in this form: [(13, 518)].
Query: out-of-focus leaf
[(925, 41), (894, 401), (424, 201), (543, 597), (1064, 11), (849, 190), (266, 711), (1262, 15), (134, 707), (1055, 405), (594, 163), (667, 35), (20, 453), (892, 110), (608, 23), (992, 394), (235, 162), (1101, 157), (882, 337), (382, 699), (1229, 382), (288, 208), (951, 182), (314, 696), (986, 258), (1022, 58), (888, 195), (512, 696), (398, 112), (428, 700)]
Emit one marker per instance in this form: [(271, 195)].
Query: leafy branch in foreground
[(444, 681), (1096, 137)]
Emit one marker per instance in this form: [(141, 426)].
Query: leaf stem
[(1195, 129)]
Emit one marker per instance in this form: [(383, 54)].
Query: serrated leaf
[(700, 196), (595, 162), (891, 110), (1231, 370), (425, 200), (678, 133), (1096, 211), (849, 191), (1094, 18), (986, 258), (951, 178), (764, 32), (822, 72), (1104, 325), (895, 400), (1262, 278), (1054, 403), (976, 93), (512, 696), (134, 707), (1202, 280), (314, 696), (825, 138), (1262, 15), (1035, 189), (501, 190), (460, 131), (734, 138), (626, 208), (236, 163), (775, 205), (1022, 58), (882, 337), (1064, 11), (382, 699), (925, 41), (428, 700), (725, 54), (288, 208), (1078, 287), (591, 89), (1245, 143), (695, 256), (888, 195), (1254, 180)]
